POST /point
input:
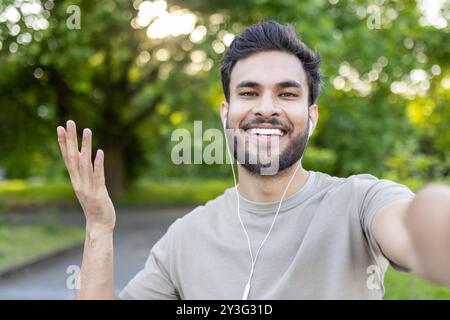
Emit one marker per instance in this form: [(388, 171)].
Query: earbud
[(311, 129)]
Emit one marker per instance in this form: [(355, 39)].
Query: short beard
[(286, 159)]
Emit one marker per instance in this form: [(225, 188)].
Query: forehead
[(268, 68)]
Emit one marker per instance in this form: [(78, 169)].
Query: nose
[(266, 107)]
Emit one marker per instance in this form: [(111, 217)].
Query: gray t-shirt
[(321, 246)]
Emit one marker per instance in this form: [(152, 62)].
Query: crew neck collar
[(266, 208)]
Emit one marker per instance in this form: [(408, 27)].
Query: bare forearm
[(96, 280), (428, 223), (97, 270)]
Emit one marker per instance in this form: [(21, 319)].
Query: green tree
[(105, 75), (384, 103)]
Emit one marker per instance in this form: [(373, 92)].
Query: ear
[(223, 110), (314, 114)]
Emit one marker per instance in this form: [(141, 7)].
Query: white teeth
[(265, 131)]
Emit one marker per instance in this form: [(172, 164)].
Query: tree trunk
[(115, 168)]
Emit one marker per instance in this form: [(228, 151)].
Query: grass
[(191, 191), (17, 193), (21, 193), (19, 243), (405, 286)]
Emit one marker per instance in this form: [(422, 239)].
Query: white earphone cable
[(253, 260)]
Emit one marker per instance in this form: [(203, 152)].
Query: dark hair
[(269, 36)]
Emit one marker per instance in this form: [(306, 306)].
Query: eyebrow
[(283, 84)]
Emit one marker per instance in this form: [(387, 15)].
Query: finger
[(99, 172), (62, 142), (86, 169), (72, 151), (73, 125)]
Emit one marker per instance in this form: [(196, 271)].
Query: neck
[(260, 188)]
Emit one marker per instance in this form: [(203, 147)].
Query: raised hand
[(88, 180)]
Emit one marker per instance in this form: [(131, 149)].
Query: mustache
[(262, 120)]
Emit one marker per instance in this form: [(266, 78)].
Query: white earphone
[(311, 129), (254, 258)]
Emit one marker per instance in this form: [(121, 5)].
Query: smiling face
[(269, 105)]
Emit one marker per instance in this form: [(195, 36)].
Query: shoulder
[(369, 184), (361, 186), (334, 183), (363, 179)]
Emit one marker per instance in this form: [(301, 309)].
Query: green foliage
[(97, 76), (322, 160)]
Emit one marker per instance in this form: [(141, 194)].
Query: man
[(292, 234)]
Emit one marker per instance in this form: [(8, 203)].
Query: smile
[(266, 131)]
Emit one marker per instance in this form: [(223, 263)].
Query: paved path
[(136, 232)]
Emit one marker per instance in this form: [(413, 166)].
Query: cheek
[(298, 120), (236, 114)]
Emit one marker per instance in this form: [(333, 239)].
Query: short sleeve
[(375, 194), (153, 282)]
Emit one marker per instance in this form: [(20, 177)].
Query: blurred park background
[(133, 71)]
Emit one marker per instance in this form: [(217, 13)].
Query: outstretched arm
[(415, 234)]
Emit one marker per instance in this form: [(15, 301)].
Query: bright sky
[(162, 22), (432, 13)]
